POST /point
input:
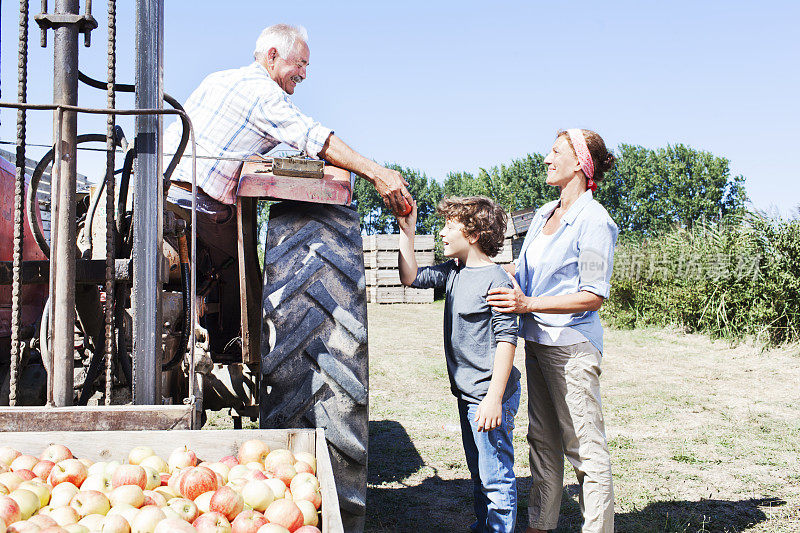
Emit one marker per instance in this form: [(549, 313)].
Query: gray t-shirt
[(472, 327)]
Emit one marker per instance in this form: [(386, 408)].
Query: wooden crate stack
[(383, 277)]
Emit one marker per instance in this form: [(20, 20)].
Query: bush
[(734, 278)]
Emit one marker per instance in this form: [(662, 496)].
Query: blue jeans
[(490, 458)]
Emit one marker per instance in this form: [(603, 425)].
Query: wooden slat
[(382, 277), (388, 259), (250, 299), (417, 296), (392, 242), (331, 515), (111, 418), (521, 220)]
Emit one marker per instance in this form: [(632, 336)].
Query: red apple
[(248, 522), (227, 501), (152, 497), (42, 469), (56, 453), (9, 510), (42, 521), (284, 513), (229, 461), (129, 475), (197, 481), (185, 508), (25, 474), (173, 525), (305, 486), (24, 462), (283, 471), (302, 466), (68, 470), (308, 458), (212, 522), (181, 458), (255, 475)]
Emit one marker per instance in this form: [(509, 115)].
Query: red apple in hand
[(227, 502)]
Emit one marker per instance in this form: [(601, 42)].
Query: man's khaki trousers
[(565, 417)]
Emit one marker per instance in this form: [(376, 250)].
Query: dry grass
[(704, 436)]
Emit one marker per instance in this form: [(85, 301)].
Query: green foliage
[(730, 279)]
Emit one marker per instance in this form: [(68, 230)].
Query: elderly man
[(240, 112)]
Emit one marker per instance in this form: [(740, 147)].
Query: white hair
[(281, 37)]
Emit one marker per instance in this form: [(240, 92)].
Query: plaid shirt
[(237, 113)]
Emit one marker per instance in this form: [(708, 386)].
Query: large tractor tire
[(314, 356)]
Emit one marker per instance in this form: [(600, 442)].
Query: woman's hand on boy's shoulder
[(509, 299)]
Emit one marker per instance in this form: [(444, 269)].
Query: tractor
[(127, 304)]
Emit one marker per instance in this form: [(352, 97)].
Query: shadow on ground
[(675, 516), (405, 495)]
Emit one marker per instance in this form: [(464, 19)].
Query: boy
[(479, 345)]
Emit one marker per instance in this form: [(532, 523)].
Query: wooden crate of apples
[(249, 486)]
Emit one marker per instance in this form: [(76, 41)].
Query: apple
[(24, 462), (253, 450), (42, 469), (88, 502), (221, 469), (272, 528), (8, 454), (174, 525), (197, 481), (277, 457), (227, 501), (248, 522), (278, 487), (229, 460), (203, 502), (309, 512), (110, 467), (56, 453), (283, 471), (93, 521), (305, 486), (185, 508), (307, 458), (65, 515), (68, 470), (166, 492), (147, 519), (10, 480), (42, 521), (307, 529), (302, 466), (115, 523), (212, 523), (284, 513), (139, 454), (133, 495), (152, 497), (238, 471), (258, 495), (9, 510), (129, 475), (42, 490), (28, 502), (156, 463), (62, 494), (24, 526), (125, 510), (152, 478), (25, 474), (181, 458), (99, 482)]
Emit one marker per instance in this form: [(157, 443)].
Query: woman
[(563, 275)]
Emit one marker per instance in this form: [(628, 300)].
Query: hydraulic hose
[(183, 253)]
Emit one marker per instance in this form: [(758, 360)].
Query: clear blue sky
[(444, 86)]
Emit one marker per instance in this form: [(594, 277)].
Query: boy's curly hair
[(481, 216)]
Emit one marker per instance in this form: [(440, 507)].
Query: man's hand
[(392, 188), (489, 414), (508, 300)]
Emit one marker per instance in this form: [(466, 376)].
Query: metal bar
[(147, 207), (19, 194), (193, 285), (110, 218), (87, 271), (65, 91)]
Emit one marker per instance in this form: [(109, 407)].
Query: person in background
[(561, 279), (479, 345)]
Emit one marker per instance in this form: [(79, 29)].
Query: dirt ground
[(704, 436)]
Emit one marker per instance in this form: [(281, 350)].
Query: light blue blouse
[(579, 257)]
